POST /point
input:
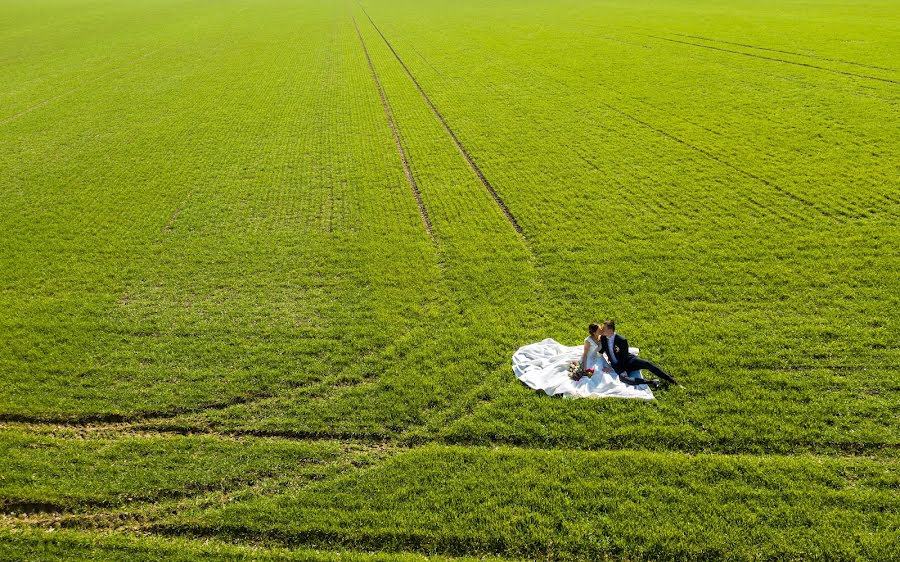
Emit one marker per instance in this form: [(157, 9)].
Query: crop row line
[(139, 512), (390, 119), (693, 147), (853, 74), (27, 507), (120, 69), (872, 66), (394, 541), (107, 418), (402, 443), (465, 153), (710, 155)]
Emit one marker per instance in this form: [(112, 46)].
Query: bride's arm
[(607, 367), (587, 348)]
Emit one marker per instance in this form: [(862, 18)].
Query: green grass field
[(264, 264)]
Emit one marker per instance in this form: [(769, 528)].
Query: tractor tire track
[(764, 210), (143, 422), (112, 72), (18, 506), (390, 119), (404, 442), (149, 431), (117, 71), (726, 163), (107, 418), (465, 153), (110, 421), (842, 61), (807, 65)]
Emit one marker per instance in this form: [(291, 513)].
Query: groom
[(616, 349)]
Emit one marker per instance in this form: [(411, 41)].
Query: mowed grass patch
[(578, 505), (46, 473)]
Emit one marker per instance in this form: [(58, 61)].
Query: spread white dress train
[(545, 366)]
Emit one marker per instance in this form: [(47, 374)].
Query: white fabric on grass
[(545, 366)]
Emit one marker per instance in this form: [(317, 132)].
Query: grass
[(50, 473), (586, 505), (213, 266), (75, 545)]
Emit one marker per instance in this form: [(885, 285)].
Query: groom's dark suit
[(620, 358), (624, 362)]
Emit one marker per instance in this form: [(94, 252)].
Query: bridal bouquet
[(576, 372)]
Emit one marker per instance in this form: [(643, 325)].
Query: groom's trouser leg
[(632, 377), (637, 364)]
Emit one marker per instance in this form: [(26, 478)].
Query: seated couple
[(603, 341)]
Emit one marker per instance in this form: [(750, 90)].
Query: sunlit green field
[(264, 264)]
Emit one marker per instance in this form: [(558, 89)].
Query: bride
[(545, 366)]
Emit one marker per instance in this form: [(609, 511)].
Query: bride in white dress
[(545, 366)]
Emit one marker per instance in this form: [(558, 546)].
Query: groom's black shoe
[(652, 384), (668, 378)]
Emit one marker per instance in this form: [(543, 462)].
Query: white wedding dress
[(545, 366)]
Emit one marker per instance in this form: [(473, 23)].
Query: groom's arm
[(623, 354)]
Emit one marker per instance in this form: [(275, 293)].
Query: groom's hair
[(611, 324), (592, 329)]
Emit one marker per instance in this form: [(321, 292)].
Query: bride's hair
[(592, 329)]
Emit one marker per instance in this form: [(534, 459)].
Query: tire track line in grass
[(427, 62), (404, 441), (394, 132), (659, 109), (111, 72), (141, 511), (141, 424), (138, 508), (408, 442), (465, 153), (170, 224), (14, 506), (726, 163), (841, 72), (872, 66), (137, 431), (109, 421), (346, 439), (762, 208), (394, 542), (846, 211), (118, 70), (107, 418)]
